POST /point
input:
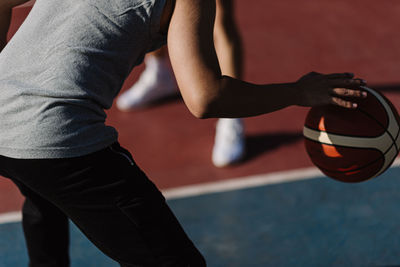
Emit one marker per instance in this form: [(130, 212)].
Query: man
[(60, 71)]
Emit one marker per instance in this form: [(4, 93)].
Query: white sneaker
[(156, 82), (229, 146)]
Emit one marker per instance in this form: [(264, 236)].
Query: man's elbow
[(204, 100), (202, 107)]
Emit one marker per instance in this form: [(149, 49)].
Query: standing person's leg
[(157, 81), (114, 204), (46, 231), (229, 146), (227, 39)]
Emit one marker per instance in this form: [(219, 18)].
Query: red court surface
[(283, 40)]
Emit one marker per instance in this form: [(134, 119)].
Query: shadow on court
[(258, 144)]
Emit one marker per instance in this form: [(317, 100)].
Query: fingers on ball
[(343, 103), (349, 92)]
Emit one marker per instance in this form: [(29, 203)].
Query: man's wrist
[(294, 93)]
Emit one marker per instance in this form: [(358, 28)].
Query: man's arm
[(207, 93), (5, 18)]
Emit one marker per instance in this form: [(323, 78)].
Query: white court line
[(10, 217), (242, 183), (248, 182), (221, 186)]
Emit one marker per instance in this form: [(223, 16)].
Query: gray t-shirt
[(64, 67)]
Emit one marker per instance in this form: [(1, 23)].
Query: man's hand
[(339, 89)]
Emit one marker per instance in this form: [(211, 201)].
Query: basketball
[(353, 145)]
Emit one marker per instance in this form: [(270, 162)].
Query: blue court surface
[(310, 222)]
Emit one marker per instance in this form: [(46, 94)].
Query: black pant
[(112, 202)]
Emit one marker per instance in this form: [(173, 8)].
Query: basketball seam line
[(363, 166), (380, 124), (392, 110), (394, 143)]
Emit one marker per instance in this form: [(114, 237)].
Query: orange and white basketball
[(353, 145)]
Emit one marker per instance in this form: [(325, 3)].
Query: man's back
[(63, 67)]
